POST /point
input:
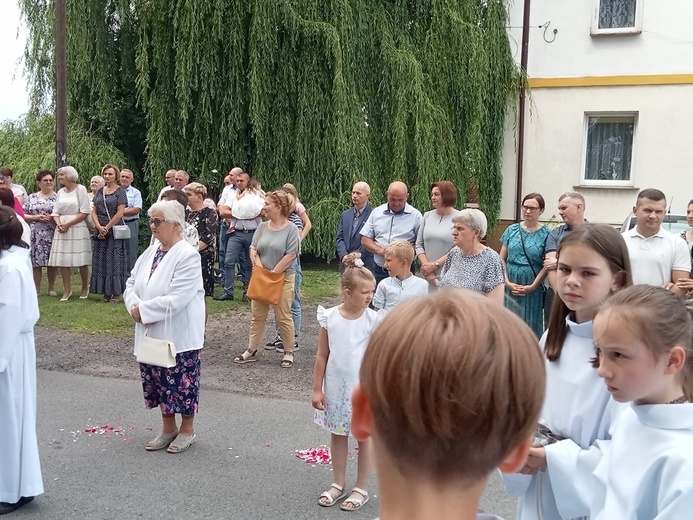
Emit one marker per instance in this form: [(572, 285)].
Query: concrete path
[(243, 465)]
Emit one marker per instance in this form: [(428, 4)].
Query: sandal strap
[(360, 491), (243, 356), (330, 497)]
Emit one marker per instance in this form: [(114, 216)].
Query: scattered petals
[(320, 455)]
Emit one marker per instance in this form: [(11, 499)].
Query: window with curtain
[(617, 14), (609, 147)]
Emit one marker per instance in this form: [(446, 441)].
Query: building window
[(617, 17), (609, 149)]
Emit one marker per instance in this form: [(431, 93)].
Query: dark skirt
[(175, 389), (207, 261), (109, 265)]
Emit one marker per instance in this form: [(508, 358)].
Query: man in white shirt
[(240, 237), (657, 257), (227, 194), (131, 216), (391, 221), (181, 179), (170, 179)]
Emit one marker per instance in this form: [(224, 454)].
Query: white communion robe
[(20, 468), (647, 470), (579, 407)]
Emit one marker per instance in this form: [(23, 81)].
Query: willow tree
[(319, 93)]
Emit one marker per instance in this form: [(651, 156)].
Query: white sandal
[(356, 502), (331, 499)]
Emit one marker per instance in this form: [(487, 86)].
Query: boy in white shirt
[(402, 284)]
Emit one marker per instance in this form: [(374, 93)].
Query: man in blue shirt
[(131, 216), (391, 221), (571, 208)]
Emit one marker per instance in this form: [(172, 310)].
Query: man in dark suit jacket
[(348, 233)]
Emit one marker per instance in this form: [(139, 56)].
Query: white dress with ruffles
[(347, 341)]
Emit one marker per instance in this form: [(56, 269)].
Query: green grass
[(92, 316)]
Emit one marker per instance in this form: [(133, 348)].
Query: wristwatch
[(436, 263)]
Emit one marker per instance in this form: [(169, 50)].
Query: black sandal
[(286, 362), (243, 359)]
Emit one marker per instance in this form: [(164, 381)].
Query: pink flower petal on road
[(320, 455)]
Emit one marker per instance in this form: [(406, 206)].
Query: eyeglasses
[(530, 208), (47, 180), (156, 222)]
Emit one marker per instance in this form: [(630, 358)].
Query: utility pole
[(61, 84), (524, 56)]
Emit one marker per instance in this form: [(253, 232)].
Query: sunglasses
[(156, 222)]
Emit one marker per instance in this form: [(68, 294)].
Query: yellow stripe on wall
[(612, 81)]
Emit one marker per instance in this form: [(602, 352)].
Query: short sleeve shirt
[(482, 272), (652, 259), (272, 245)]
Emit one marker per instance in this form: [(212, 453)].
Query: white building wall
[(665, 45), (555, 118)]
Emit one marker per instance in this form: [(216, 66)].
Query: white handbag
[(157, 352), (120, 231)]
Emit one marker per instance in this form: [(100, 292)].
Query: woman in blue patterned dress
[(38, 208), (523, 254), (109, 271)]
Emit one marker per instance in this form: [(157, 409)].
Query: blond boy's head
[(399, 254), (450, 386)]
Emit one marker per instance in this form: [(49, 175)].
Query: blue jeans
[(223, 244), (296, 304), (237, 250)]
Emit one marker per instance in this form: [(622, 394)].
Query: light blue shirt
[(134, 201), (384, 226), (392, 290)]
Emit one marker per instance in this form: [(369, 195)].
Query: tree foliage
[(28, 145), (319, 93)]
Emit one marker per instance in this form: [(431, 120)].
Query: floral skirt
[(175, 389)]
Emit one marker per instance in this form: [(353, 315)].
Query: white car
[(674, 222)]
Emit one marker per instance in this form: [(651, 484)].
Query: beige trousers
[(282, 315)]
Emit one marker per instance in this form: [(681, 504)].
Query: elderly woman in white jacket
[(164, 294)]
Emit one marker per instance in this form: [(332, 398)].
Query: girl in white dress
[(643, 338), (555, 484), (344, 334)]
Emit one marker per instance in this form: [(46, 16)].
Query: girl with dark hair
[(20, 471), (593, 263)]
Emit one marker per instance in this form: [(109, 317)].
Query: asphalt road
[(243, 465)]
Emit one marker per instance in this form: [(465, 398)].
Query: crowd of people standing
[(585, 291)]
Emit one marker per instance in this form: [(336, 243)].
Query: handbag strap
[(103, 196), (167, 318), (522, 241)]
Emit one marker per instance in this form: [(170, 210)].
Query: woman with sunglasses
[(165, 297), (523, 253)]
